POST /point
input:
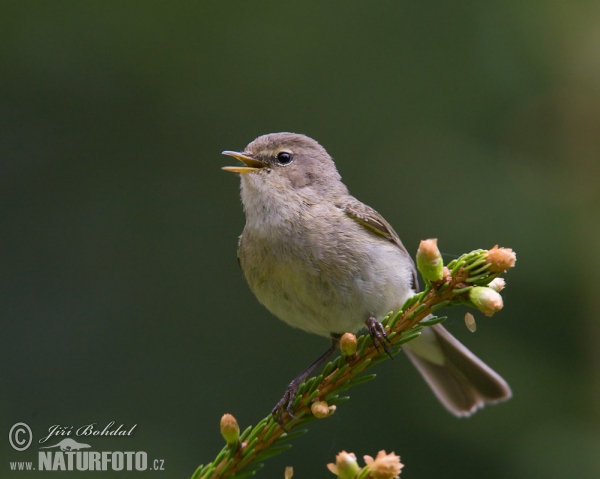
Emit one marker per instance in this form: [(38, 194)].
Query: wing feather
[(373, 222)]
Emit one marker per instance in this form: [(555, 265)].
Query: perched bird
[(322, 261)]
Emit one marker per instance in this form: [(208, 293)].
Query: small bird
[(322, 261)]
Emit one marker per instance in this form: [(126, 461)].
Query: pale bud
[(321, 409), (289, 472), (497, 284), (486, 300), (429, 260), (345, 466), (348, 344), (384, 466), (470, 322), (501, 259), (230, 429)]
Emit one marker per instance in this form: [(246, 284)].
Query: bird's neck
[(269, 208)]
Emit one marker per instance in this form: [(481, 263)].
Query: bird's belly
[(330, 294)]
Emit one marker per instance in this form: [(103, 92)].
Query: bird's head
[(286, 160)]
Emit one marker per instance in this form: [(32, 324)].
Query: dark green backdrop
[(120, 295)]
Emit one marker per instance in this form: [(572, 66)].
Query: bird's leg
[(378, 335), (292, 389)]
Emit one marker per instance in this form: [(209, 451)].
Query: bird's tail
[(461, 381)]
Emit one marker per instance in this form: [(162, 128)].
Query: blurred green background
[(120, 295)]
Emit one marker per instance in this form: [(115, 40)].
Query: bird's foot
[(292, 389), (288, 398), (378, 335)]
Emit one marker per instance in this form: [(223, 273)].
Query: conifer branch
[(469, 280)]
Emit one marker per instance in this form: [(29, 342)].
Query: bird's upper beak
[(252, 164)]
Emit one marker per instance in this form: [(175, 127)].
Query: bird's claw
[(292, 390), (379, 336), (288, 398)]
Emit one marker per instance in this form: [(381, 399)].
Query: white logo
[(67, 454), (20, 436), (72, 459), (68, 445)]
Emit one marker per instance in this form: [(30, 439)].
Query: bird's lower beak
[(251, 163)]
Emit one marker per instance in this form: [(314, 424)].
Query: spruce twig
[(462, 281)]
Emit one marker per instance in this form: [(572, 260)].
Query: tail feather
[(461, 381)]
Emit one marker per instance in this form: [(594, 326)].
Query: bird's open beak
[(251, 163)]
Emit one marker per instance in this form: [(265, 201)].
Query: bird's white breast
[(314, 267)]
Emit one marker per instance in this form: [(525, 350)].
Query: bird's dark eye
[(284, 158)]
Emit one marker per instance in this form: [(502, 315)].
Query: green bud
[(486, 300), (429, 260), (345, 466)]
